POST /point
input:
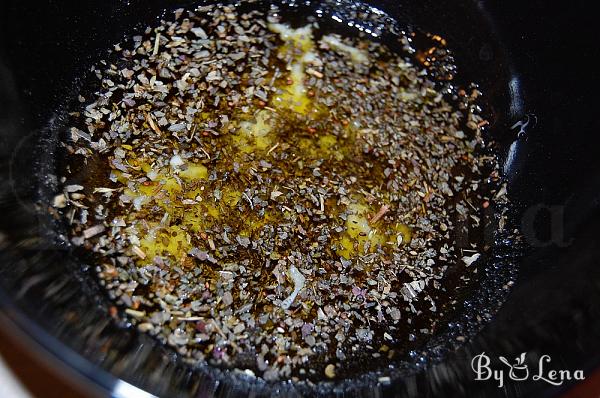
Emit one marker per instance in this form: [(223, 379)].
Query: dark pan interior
[(46, 48)]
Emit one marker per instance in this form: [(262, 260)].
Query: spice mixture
[(276, 199)]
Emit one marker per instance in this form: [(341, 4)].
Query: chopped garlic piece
[(176, 161), (301, 36), (468, 260), (298, 280), (335, 43)]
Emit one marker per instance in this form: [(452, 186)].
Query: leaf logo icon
[(519, 371)]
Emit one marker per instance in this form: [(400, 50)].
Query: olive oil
[(274, 189)]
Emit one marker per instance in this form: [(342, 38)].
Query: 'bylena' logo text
[(519, 371)]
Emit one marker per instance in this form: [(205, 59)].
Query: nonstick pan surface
[(524, 64)]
